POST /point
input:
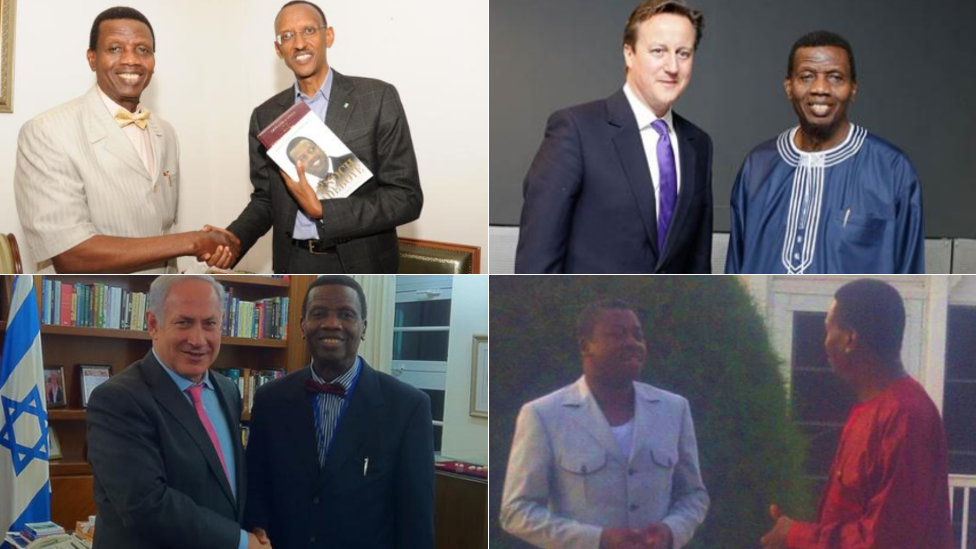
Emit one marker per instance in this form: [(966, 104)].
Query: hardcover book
[(298, 135)]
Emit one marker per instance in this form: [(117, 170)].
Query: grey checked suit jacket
[(367, 116), (568, 478)]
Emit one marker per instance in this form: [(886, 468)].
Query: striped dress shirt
[(329, 408)]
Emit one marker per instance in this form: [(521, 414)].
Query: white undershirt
[(625, 436), (649, 136)]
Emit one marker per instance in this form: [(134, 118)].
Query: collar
[(645, 116), (181, 382), (793, 156), (323, 92), (345, 379), (113, 107)]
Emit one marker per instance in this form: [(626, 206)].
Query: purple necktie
[(668, 185)]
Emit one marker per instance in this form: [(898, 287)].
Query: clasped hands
[(217, 247), (655, 536)]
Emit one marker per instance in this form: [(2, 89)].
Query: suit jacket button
[(315, 501), (631, 472), (634, 506), (311, 539)]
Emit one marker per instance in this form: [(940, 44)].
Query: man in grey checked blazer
[(355, 234)]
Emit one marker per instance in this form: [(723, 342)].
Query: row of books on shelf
[(248, 381), (263, 319), (102, 306), (92, 306)]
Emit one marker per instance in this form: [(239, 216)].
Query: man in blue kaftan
[(826, 196)]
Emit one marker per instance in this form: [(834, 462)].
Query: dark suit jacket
[(367, 116), (589, 200), (304, 506), (158, 480)]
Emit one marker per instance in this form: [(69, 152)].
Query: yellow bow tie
[(123, 118)]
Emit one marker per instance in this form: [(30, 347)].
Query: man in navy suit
[(340, 455), (163, 435), (624, 184)]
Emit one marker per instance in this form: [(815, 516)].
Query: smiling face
[(820, 89), (659, 65), (614, 352), (304, 55), (333, 327), (187, 337), (123, 60), (315, 159)]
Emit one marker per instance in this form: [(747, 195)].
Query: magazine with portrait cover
[(331, 168)]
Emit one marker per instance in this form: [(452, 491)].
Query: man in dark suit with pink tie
[(164, 434), (624, 184)]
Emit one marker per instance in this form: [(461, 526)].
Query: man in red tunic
[(888, 485)]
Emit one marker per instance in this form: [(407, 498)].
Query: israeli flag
[(25, 488)]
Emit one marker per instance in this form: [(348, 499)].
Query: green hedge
[(706, 341)]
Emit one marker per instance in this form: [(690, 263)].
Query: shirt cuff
[(800, 535), (243, 542)]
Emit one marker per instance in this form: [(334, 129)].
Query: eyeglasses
[(306, 33)]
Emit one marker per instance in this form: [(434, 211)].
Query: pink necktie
[(195, 392)]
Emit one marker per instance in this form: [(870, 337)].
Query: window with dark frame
[(820, 401), (959, 408), (421, 339)]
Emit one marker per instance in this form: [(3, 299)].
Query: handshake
[(216, 247), (258, 539)]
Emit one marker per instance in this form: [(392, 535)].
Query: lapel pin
[(345, 106)]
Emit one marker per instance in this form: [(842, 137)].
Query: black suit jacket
[(367, 116), (304, 506), (589, 200), (158, 480)]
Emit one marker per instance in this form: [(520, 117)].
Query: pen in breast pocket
[(846, 216), (365, 466), (167, 175)]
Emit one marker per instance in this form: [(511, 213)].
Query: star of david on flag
[(23, 415)]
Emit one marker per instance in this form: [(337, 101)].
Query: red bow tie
[(336, 389)]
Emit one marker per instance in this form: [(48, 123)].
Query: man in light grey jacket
[(606, 462)]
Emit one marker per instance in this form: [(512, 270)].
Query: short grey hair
[(161, 287)]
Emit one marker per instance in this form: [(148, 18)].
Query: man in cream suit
[(97, 179), (607, 462)]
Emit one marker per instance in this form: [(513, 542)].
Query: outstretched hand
[(303, 193), (776, 538)]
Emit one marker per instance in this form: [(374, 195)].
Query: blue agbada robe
[(854, 209)]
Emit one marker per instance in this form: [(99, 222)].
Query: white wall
[(215, 62), (465, 437)]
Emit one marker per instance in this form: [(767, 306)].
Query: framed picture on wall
[(54, 384), (7, 55), (479, 376), (53, 445), (92, 376)]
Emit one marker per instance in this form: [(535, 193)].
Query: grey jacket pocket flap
[(583, 464), (664, 458)]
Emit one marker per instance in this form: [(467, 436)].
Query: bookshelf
[(71, 346)]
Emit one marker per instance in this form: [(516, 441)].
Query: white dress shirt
[(649, 136), (137, 136)]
